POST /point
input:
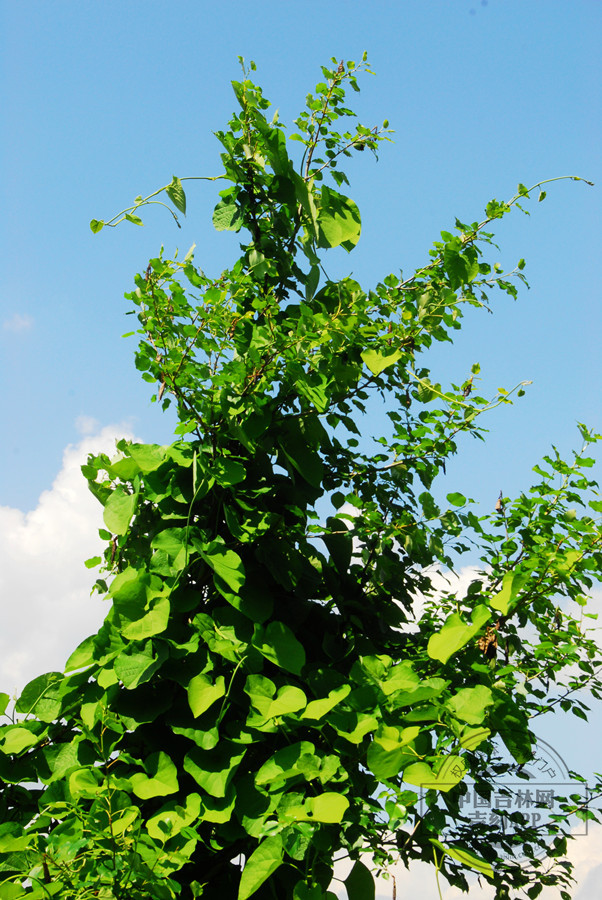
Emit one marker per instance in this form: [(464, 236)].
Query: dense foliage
[(280, 680)]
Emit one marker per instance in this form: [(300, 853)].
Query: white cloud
[(45, 588), (586, 853), (87, 424), (17, 322)]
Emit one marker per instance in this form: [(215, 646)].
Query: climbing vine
[(280, 682)]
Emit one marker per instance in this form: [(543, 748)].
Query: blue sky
[(106, 100)]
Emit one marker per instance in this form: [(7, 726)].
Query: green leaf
[(135, 220), (289, 699), (82, 656), (13, 839), (511, 585), (154, 621), (225, 563), (173, 816), (96, 225), (377, 362), (148, 457), (360, 883), (124, 818), (316, 388), (172, 542), (339, 220), (213, 770), (262, 863), (305, 891), (119, 510), (60, 759), (15, 892), (470, 704), (339, 542), (228, 472), (513, 726), (328, 807), (203, 692), (466, 858), (227, 215), (93, 562), (353, 726), (4, 701), (275, 143), (299, 449), (317, 709), (472, 737), (456, 633), (17, 738), (281, 647), (455, 264), (284, 765), (162, 778), (176, 194), (85, 783), (133, 667), (388, 753), (42, 697), (140, 608), (450, 772)]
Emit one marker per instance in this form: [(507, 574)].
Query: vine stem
[(146, 201)]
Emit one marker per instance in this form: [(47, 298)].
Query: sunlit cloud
[(45, 588)]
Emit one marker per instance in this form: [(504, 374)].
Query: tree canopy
[(281, 681)]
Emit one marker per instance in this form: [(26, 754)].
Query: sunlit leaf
[(161, 778), (465, 857), (377, 362), (262, 863), (456, 633), (119, 510), (176, 194), (203, 692), (338, 219)]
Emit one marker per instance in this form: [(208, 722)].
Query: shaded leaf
[(281, 647), (360, 883)]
